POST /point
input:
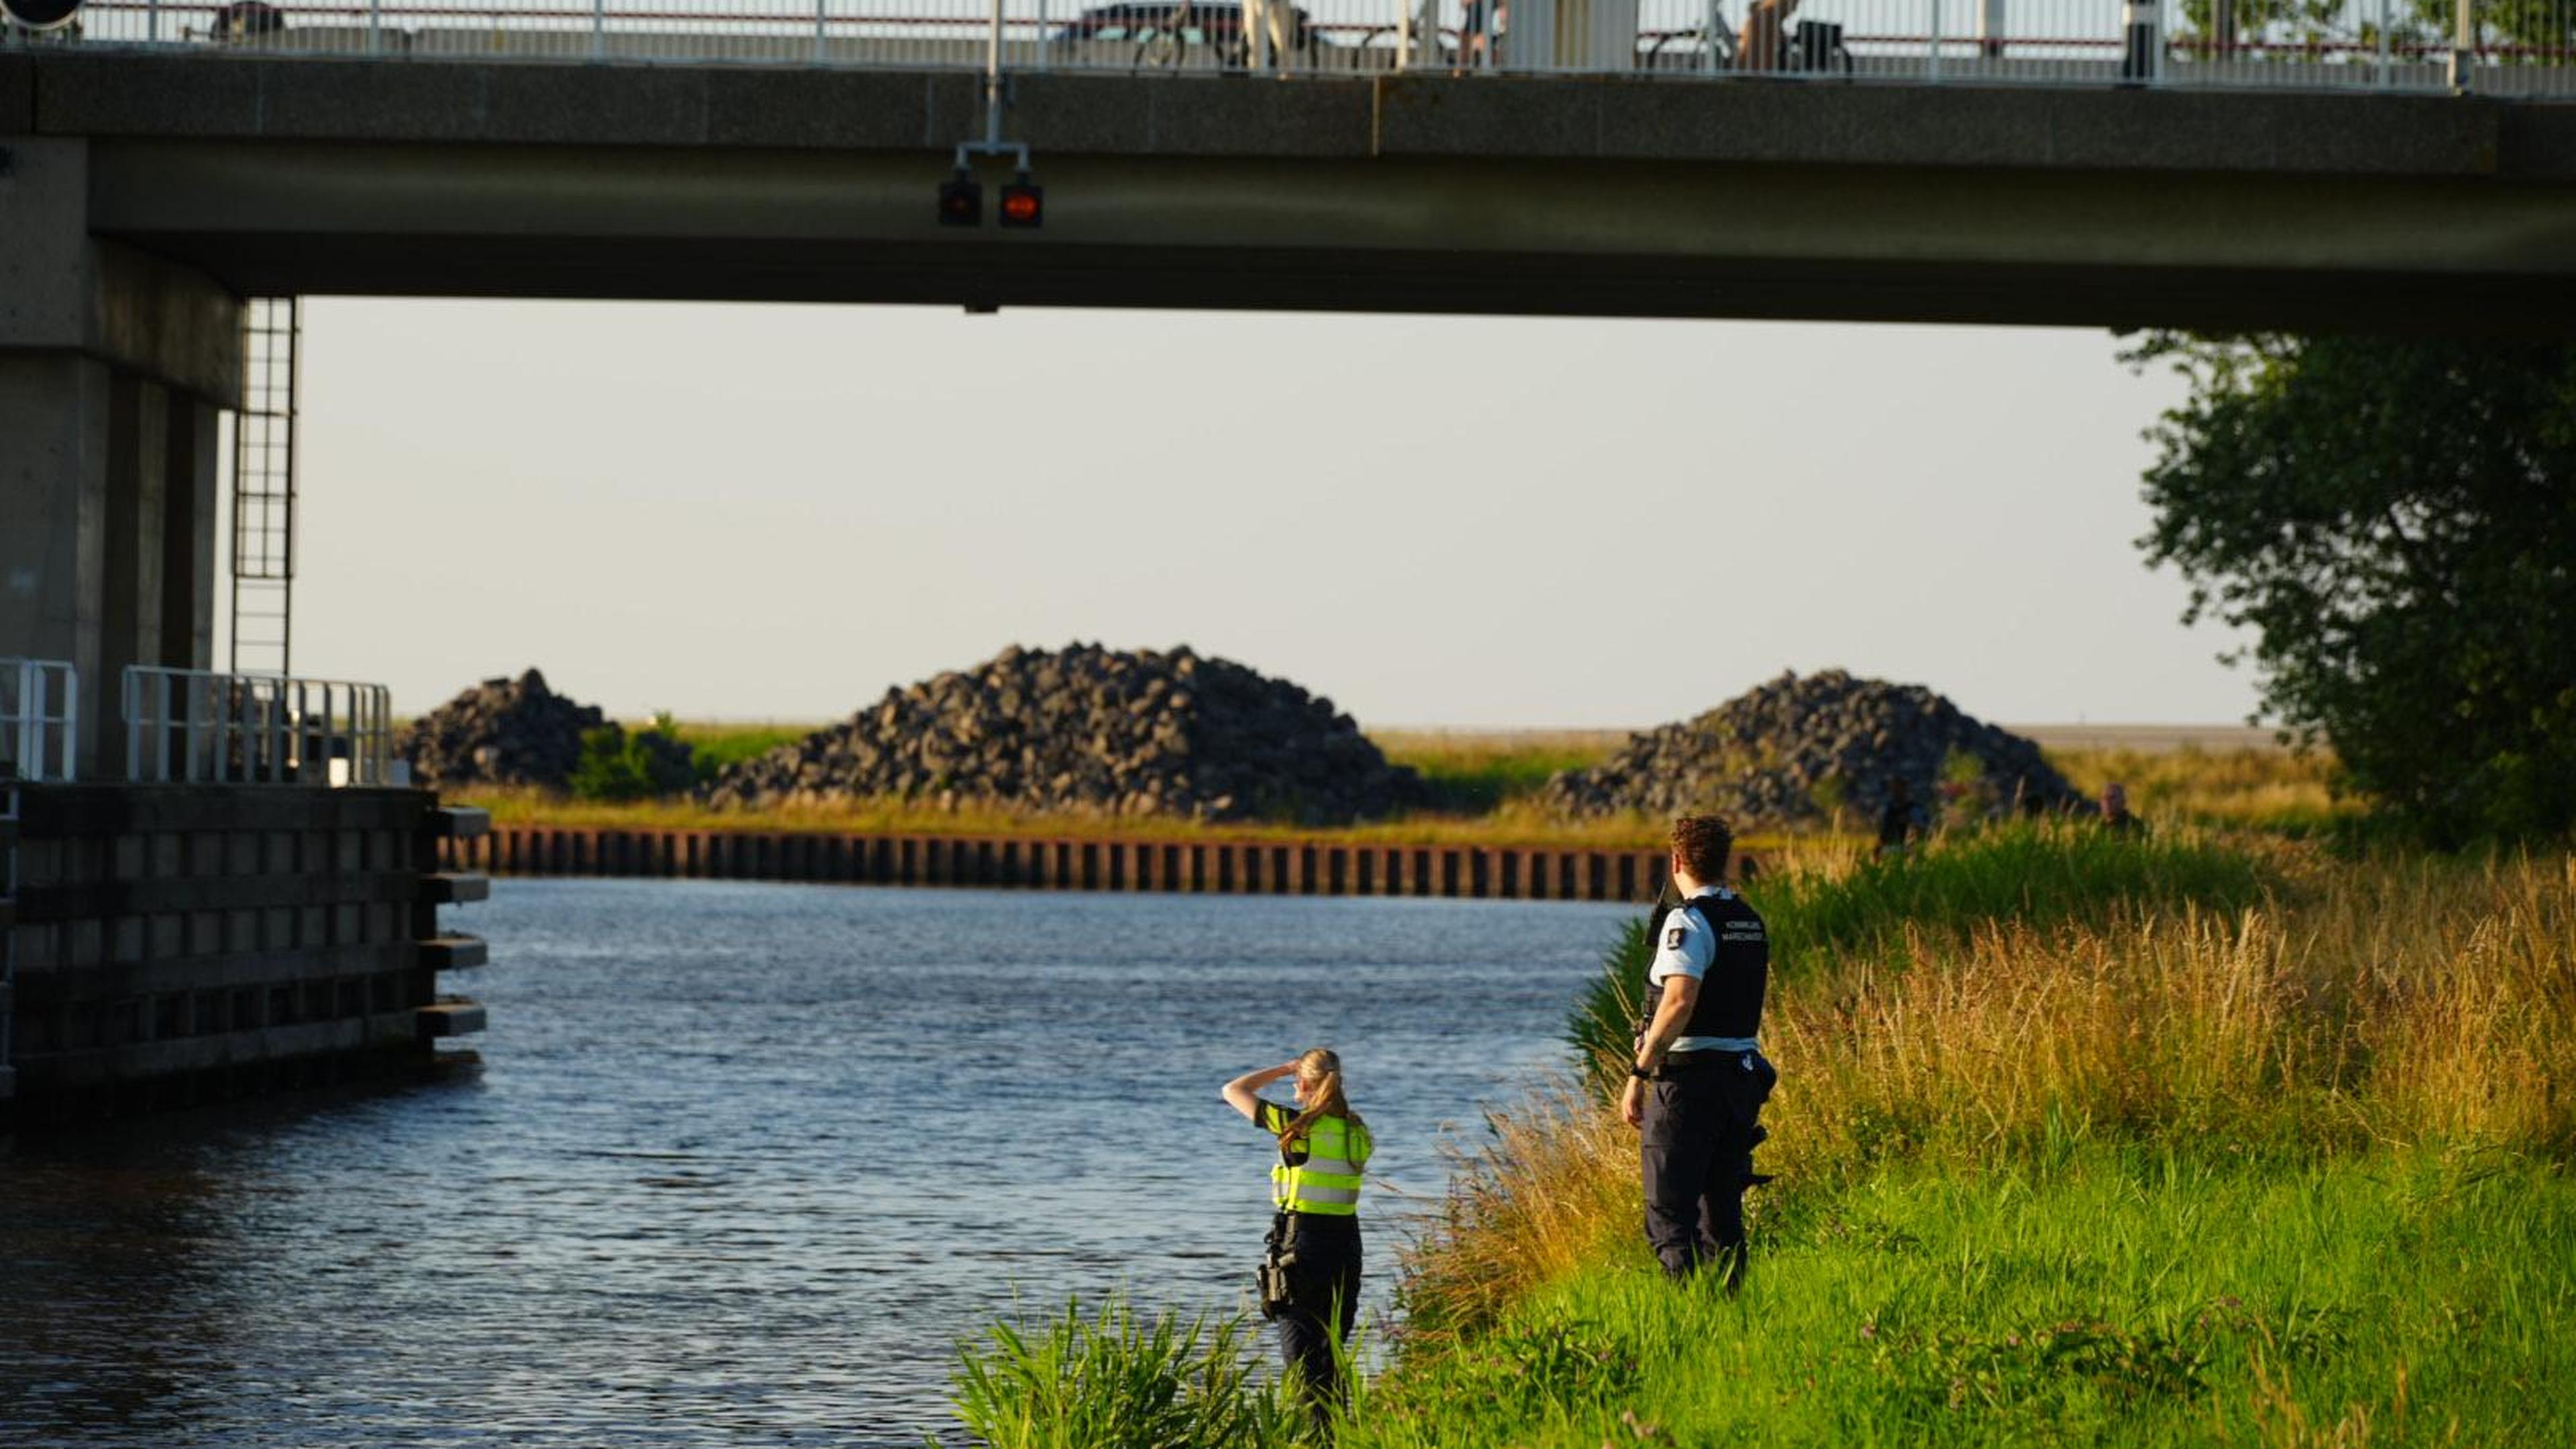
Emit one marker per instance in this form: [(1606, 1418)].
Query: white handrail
[(40, 719), (194, 726), (2522, 50)]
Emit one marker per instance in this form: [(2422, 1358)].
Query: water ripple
[(745, 1162)]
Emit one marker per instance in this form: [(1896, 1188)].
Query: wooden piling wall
[(1216, 867)]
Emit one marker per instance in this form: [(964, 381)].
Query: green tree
[(2514, 32), (2397, 522)]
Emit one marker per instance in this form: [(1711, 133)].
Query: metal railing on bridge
[(191, 726), (2523, 48), (40, 719)]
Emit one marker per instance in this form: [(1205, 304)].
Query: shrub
[(644, 765)]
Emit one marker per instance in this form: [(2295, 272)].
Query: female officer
[(1323, 1146)]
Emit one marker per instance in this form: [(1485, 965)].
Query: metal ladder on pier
[(263, 562)]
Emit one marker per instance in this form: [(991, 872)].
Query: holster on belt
[(1278, 1255)]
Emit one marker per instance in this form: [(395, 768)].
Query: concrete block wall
[(179, 944)]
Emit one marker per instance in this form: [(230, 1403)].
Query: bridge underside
[(1594, 197), (1491, 237), (1419, 282)]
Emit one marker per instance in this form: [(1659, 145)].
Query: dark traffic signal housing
[(1023, 202), (961, 200)]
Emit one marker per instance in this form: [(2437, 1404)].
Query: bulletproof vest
[(1730, 995)]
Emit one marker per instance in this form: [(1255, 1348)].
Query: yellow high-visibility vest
[(1328, 1181)]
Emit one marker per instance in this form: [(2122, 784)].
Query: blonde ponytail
[(1319, 1079)]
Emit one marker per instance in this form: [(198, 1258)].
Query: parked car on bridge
[(1167, 32)]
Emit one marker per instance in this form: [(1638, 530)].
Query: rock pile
[(1790, 752), (501, 732), (1092, 730)]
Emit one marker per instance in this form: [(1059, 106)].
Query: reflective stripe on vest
[(1328, 1181)]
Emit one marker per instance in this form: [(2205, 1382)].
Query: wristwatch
[(1640, 1073)]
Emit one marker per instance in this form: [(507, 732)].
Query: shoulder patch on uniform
[(1673, 937)]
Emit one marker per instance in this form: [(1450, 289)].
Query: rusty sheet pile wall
[(1310, 867)]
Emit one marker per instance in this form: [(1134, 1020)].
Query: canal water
[(744, 1163)]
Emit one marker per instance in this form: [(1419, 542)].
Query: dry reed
[(2388, 1003)]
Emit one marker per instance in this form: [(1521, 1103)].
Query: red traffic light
[(1023, 203), (961, 201)]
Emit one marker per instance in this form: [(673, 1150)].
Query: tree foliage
[(2416, 31), (2397, 522), (645, 765)]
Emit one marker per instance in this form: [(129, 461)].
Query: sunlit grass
[(2270, 789), (1485, 789), (523, 807), (2160, 1294), (1829, 905), (1478, 771), (718, 746), (1111, 1378), (2407, 1003)]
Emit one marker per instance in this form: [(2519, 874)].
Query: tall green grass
[(715, 748), (2138, 1296), (1113, 1379), (1476, 772)]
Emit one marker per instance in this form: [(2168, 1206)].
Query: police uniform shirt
[(1274, 1119), (1689, 948)]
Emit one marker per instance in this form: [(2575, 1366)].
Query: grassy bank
[(2185, 1140), (1483, 786), (2099, 1295)]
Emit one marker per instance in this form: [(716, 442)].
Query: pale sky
[(776, 512)]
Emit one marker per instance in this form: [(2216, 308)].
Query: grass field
[(2211, 1137), (1483, 786)]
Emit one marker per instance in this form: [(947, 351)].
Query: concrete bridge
[(144, 193), (1602, 196)]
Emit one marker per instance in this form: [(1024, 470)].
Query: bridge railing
[(2507, 47), (191, 726), (40, 719)]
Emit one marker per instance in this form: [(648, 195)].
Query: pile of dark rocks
[(501, 732), (1796, 750), (1089, 730)]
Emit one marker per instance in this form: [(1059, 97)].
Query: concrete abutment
[(179, 944), (115, 366)]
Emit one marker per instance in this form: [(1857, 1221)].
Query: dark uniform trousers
[(1702, 1121), (1323, 1298)]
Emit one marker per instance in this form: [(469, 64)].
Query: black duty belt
[(1697, 1061)]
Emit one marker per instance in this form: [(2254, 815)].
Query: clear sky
[(777, 512)]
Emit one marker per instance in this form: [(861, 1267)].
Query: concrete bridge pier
[(114, 367)]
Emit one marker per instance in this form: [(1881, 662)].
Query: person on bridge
[(1763, 42), (1700, 1079), (1270, 34), (1310, 1274)]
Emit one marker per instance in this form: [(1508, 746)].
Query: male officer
[(1700, 1079)]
